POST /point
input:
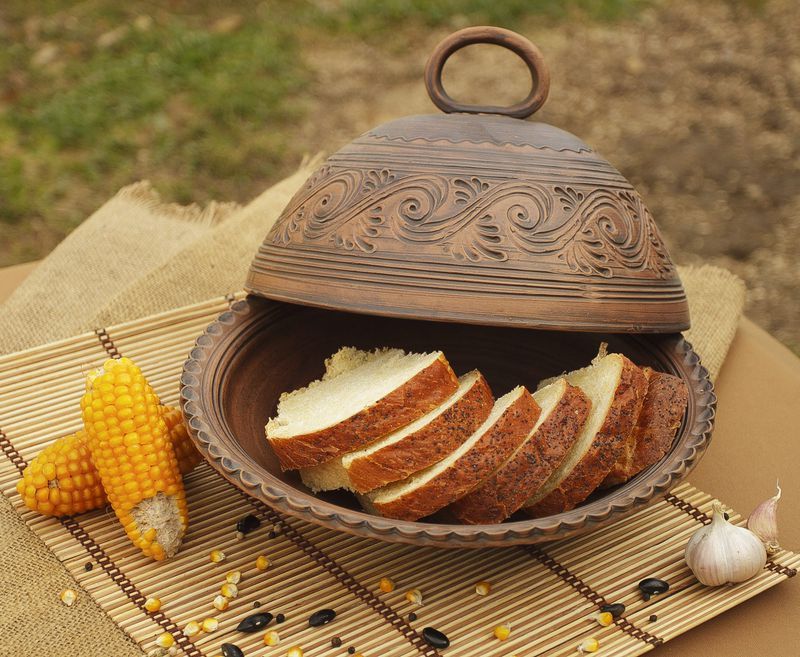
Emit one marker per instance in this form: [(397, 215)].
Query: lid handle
[(514, 42)]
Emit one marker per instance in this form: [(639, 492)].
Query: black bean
[(351, 650), (652, 586), (653, 618), (272, 533), (231, 650), (435, 638), (336, 642), (412, 617), (280, 618), (725, 515), (616, 609), (321, 617), (255, 622), (256, 604), (88, 566), (247, 524)]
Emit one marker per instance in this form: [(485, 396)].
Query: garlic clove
[(763, 522), (722, 553)]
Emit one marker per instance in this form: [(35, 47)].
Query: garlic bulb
[(763, 522), (722, 553)]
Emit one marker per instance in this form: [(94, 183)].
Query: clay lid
[(474, 216)]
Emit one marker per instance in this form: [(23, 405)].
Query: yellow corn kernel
[(152, 604), (192, 628), (386, 585), (216, 556), (210, 624), (501, 632), (108, 397), (604, 618), (62, 479), (589, 645), (229, 590), (294, 651), (64, 470), (233, 576), (483, 588), (262, 563), (68, 597), (185, 450), (271, 638), (414, 596), (165, 640), (221, 602)]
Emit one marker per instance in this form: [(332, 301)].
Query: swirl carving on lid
[(596, 231)]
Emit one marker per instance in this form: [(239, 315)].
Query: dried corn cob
[(127, 437), (62, 480)]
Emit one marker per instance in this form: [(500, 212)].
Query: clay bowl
[(261, 348)]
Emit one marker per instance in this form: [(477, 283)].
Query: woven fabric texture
[(136, 256)]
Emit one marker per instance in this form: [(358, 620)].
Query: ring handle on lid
[(514, 42)]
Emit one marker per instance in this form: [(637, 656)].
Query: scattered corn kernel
[(414, 596), (386, 585), (295, 651), (262, 563), (221, 602), (152, 604), (229, 590), (68, 597), (217, 556), (210, 624), (483, 588), (604, 618), (233, 576), (192, 628), (502, 631), (589, 645), (271, 638), (165, 640)]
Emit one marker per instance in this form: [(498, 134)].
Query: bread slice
[(565, 409), (658, 422), (425, 492), (362, 396), (616, 388), (414, 447)]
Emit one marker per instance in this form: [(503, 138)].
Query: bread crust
[(605, 449), (426, 446), (661, 416), (419, 395), (486, 455), (619, 471), (506, 491)]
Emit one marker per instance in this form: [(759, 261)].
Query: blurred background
[(697, 103)]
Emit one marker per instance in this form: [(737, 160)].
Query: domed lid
[(474, 216)]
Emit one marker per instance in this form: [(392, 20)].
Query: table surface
[(756, 441)]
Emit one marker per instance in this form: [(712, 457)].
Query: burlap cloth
[(136, 256)]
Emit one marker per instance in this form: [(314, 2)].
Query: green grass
[(203, 98)]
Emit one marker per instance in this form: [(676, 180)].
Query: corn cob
[(62, 480), (127, 438)]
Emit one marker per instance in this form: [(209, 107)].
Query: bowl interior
[(285, 346)]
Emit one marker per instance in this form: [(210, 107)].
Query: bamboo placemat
[(546, 594)]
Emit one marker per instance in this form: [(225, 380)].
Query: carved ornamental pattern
[(595, 231)]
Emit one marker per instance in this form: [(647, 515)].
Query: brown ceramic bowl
[(261, 348)]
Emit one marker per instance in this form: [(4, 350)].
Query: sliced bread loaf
[(414, 447), (362, 396), (616, 388), (425, 492), (564, 410), (658, 422)]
